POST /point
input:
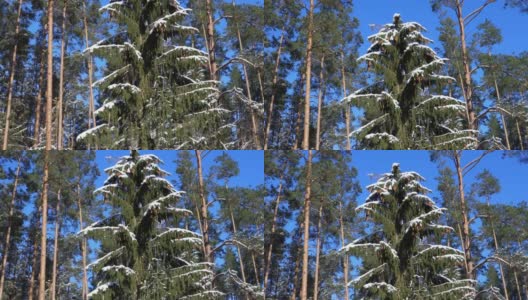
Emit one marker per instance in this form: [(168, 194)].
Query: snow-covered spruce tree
[(145, 251), (155, 92), (401, 112), (400, 257)]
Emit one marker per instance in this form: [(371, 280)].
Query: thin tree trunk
[(319, 105), (273, 229), (254, 125), (466, 240), (36, 132), (204, 211), (233, 225), (307, 202), (504, 285), (61, 80), (504, 125), (460, 236), (345, 259), (519, 135), (210, 35), (33, 267), (10, 84), (8, 233), (318, 253), (255, 268), (306, 133), (517, 285), (297, 266), (347, 107), (56, 247), (273, 90), (49, 87), (472, 122), (83, 246), (299, 120), (91, 104)]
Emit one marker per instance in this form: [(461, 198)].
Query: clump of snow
[(383, 136), (119, 268), (381, 285), (132, 88), (101, 289)]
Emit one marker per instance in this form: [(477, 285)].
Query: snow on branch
[(119, 268), (106, 258), (418, 222), (111, 6), (362, 278), (91, 132), (381, 286), (122, 86), (102, 288), (369, 125), (111, 76)]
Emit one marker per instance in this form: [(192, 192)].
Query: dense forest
[(130, 231), (272, 74), (404, 91), (90, 74), (375, 231)]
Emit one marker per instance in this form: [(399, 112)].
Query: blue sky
[(250, 163), (512, 174), (380, 12)]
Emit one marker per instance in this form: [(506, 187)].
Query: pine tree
[(146, 253), (408, 115), (156, 94), (401, 259)]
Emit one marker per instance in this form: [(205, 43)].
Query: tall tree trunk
[(91, 104), (307, 202), (49, 75), (273, 91), (49, 91), (254, 125), (306, 133), (56, 247), (345, 258), (318, 253), (504, 285), (204, 211), (273, 229), (297, 270), (42, 275), (11, 80), (347, 107), (466, 239), (468, 91), (8, 233), (210, 36), (83, 246), (319, 105), (61, 80), (38, 105)]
